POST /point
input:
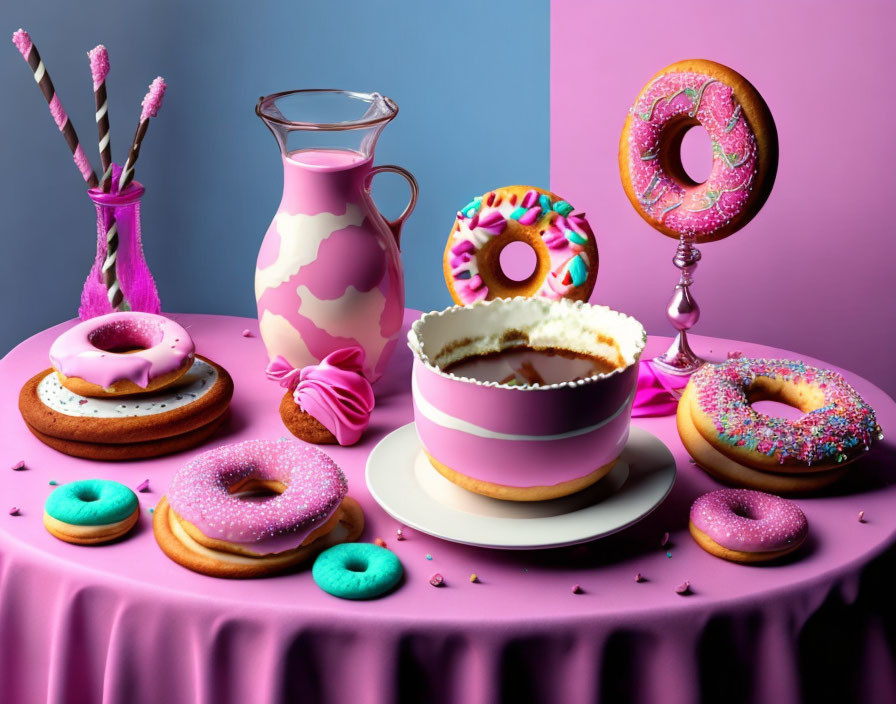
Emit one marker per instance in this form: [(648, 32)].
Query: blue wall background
[(470, 78)]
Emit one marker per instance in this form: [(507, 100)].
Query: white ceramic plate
[(402, 481)]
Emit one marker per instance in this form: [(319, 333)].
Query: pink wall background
[(815, 271)]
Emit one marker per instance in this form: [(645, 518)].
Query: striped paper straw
[(99, 69), (151, 105), (29, 52)]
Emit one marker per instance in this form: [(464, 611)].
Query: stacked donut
[(209, 522), (125, 386), (743, 447)]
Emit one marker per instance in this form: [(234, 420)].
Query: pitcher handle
[(396, 224)]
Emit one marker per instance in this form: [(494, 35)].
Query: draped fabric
[(122, 624)]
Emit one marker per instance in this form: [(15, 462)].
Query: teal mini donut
[(91, 502), (357, 570)]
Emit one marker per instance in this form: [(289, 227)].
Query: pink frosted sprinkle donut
[(91, 350), (315, 487), (744, 143), (747, 525)]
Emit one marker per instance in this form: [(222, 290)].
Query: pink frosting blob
[(91, 350), (315, 486), (749, 521), (337, 394)]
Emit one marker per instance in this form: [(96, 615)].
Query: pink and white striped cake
[(524, 442)]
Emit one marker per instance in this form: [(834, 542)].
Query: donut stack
[(743, 447), (125, 386)]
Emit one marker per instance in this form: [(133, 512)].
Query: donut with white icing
[(744, 142), (563, 242)]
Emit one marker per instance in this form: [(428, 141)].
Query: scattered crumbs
[(19, 466), (639, 578), (247, 333), (684, 588), (665, 540), (143, 486), (668, 554), (577, 589), (861, 516), (380, 542), (428, 556), (14, 511), (399, 535), (474, 578), (53, 482), (735, 354), (437, 580)]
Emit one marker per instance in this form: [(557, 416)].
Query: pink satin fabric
[(656, 392), (335, 392)]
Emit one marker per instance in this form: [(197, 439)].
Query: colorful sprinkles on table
[(842, 427), (18, 466)]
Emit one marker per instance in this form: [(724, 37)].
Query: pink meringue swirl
[(335, 392)]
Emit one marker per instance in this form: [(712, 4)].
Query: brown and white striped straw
[(151, 104), (29, 52), (99, 69)]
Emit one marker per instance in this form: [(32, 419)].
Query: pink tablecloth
[(122, 623)]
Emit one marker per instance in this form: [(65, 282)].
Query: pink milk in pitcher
[(329, 270)]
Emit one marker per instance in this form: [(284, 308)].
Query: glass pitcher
[(329, 271)]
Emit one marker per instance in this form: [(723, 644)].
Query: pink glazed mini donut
[(743, 525), (122, 353)]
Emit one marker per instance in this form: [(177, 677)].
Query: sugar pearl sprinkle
[(684, 588), (14, 511), (399, 535), (247, 333), (18, 466), (315, 486), (577, 589), (437, 580), (837, 431), (861, 516)]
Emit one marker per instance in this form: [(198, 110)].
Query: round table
[(123, 623)]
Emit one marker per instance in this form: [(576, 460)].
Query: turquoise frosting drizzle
[(91, 502)]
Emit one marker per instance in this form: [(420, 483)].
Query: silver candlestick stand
[(683, 312)]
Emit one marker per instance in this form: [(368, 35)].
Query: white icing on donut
[(190, 387)]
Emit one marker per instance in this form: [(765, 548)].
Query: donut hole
[(86, 494), (696, 153), (744, 512), (257, 490), (685, 140), (356, 564), (122, 337), (518, 261)]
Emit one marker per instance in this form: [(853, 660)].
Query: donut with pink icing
[(206, 522), (122, 353), (734, 442), (565, 249), (326, 403), (744, 143), (742, 525)]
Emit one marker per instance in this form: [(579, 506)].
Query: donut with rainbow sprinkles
[(740, 446)]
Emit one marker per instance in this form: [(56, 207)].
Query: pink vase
[(329, 270)]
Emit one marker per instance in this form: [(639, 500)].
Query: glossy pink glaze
[(329, 270), (315, 486), (83, 351), (337, 394), (703, 208), (749, 521)]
